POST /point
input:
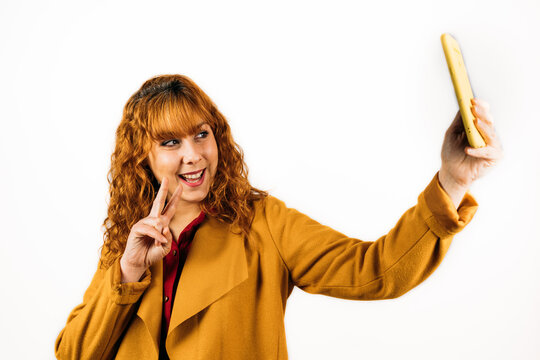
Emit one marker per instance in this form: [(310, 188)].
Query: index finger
[(170, 209), (160, 198)]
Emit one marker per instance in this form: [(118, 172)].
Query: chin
[(195, 198)]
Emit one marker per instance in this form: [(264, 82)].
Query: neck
[(185, 214)]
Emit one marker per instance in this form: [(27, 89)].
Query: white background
[(341, 109)]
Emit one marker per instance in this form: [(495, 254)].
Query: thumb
[(477, 152), (167, 233)]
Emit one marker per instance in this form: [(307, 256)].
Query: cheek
[(165, 162), (216, 160), (212, 154), (215, 156), (151, 161)]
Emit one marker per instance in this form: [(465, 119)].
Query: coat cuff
[(126, 293), (439, 212)]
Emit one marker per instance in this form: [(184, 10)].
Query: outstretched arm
[(321, 260)]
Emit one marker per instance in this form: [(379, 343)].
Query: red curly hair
[(171, 106)]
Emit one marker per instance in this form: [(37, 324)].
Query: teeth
[(193, 176)]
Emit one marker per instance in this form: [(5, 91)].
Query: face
[(190, 162)]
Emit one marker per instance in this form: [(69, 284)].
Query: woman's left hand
[(462, 163)]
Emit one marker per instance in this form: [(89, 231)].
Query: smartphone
[(462, 88)]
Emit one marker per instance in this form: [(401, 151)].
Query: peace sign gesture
[(150, 238)]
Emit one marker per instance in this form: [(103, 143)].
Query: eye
[(202, 134), (168, 141)]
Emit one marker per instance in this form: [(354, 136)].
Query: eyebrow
[(198, 126)]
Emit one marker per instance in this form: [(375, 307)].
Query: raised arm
[(321, 260)]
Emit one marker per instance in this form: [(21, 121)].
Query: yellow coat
[(231, 296)]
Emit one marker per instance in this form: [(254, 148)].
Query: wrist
[(454, 190), (130, 273)]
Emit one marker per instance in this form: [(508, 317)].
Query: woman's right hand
[(150, 239)]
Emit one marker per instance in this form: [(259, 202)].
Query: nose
[(191, 153)]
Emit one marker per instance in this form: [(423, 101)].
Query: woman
[(180, 203)]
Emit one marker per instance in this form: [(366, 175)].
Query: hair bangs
[(174, 117)]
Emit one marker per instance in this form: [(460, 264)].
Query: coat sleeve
[(94, 326), (321, 260)]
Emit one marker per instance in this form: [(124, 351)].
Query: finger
[(482, 113), (156, 223), (486, 152), (482, 103), (486, 129), (478, 125), (168, 234), (478, 152), (491, 152), (170, 210), (161, 196), (152, 232)]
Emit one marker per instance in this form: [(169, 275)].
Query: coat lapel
[(215, 264), (150, 310)]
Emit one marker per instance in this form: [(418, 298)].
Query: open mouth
[(193, 178)]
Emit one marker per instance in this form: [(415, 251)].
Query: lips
[(194, 178), (192, 175)]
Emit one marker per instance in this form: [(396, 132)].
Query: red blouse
[(173, 263)]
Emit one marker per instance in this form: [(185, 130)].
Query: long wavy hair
[(171, 106)]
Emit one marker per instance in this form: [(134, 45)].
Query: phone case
[(462, 87)]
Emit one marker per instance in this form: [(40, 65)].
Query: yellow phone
[(462, 87)]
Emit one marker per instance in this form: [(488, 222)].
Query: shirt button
[(174, 252), (166, 298)]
